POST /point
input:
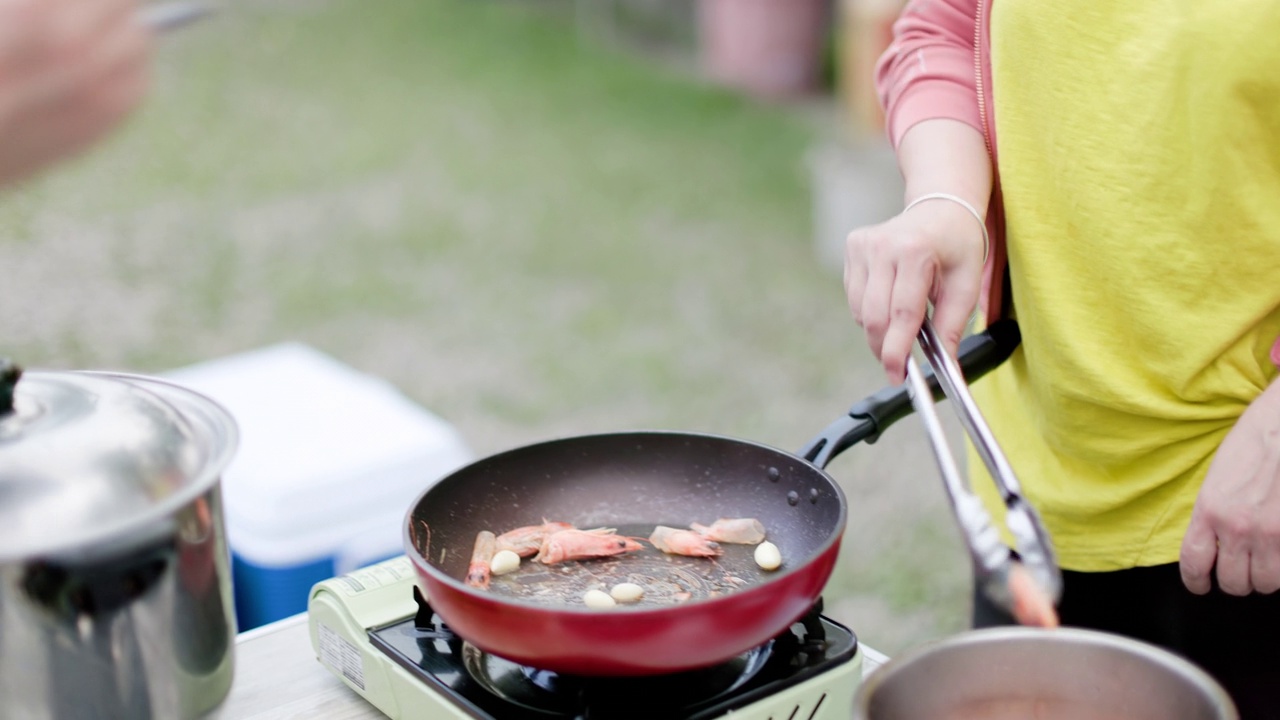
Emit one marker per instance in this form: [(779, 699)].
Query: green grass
[(271, 102), (521, 158), (529, 234)]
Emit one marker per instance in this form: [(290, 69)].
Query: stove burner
[(661, 695), (487, 686)]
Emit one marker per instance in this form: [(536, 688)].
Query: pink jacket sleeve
[(930, 69)]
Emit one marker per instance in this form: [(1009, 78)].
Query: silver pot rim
[(1165, 659), (209, 416)]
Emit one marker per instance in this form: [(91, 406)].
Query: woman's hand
[(1236, 520), (70, 70), (933, 252)]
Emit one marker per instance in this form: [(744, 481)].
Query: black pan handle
[(867, 419)]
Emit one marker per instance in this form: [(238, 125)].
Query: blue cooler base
[(267, 594)]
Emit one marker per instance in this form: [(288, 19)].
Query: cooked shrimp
[(738, 531), (1031, 604), (481, 556), (583, 545), (526, 541), (683, 542)]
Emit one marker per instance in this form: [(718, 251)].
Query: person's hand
[(930, 253), (70, 70), (1236, 520)]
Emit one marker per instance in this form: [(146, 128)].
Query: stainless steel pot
[(115, 581), (1018, 673)]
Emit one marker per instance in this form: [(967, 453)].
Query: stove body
[(371, 629)]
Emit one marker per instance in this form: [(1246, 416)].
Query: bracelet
[(986, 238)]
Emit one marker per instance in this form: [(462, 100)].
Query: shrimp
[(738, 531), (526, 541), (481, 556), (583, 545), (683, 542), (1031, 605)]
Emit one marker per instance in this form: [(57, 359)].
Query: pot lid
[(87, 457)]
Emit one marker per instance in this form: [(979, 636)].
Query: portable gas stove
[(373, 629)]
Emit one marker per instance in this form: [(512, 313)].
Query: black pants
[(1235, 639)]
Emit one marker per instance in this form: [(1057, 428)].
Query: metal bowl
[(1061, 674)]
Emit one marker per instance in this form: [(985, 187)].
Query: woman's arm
[(929, 70), (928, 84), (70, 70), (930, 253), (1235, 525)]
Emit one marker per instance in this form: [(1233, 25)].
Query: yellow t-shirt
[(1139, 150)]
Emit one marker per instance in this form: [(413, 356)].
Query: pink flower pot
[(770, 49)]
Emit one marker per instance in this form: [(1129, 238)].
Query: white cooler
[(330, 460)]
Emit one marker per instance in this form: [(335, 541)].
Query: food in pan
[(598, 600), (768, 557), (1031, 604), (481, 556), (737, 531), (584, 545), (626, 592), (681, 565), (526, 541), (683, 542), (504, 561), (621, 593)]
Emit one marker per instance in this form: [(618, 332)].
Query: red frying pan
[(697, 612)]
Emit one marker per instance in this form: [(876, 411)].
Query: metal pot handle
[(9, 375)]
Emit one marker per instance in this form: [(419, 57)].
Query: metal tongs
[(172, 14), (992, 559)]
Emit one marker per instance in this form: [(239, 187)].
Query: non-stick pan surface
[(633, 481)]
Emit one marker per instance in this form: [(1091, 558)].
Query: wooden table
[(278, 676)]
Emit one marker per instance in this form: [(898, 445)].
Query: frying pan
[(705, 612)]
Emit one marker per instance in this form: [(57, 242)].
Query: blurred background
[(535, 218)]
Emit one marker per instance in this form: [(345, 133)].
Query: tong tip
[(173, 14), (1029, 603)]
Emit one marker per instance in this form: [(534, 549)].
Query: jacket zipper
[(978, 19), (999, 291)]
